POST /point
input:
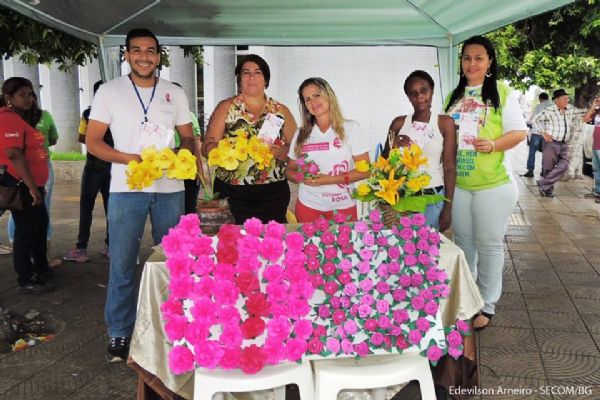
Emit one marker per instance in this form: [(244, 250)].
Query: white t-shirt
[(116, 104), (333, 157)]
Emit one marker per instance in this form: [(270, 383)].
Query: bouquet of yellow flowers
[(235, 152), (154, 163), (397, 181)]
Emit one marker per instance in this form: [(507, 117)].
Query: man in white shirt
[(141, 110), (535, 140), (556, 123)]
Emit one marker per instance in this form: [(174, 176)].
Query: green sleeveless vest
[(477, 171)]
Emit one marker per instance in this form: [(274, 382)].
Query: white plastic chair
[(209, 383), (375, 373)]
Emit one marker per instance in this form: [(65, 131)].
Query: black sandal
[(487, 315)]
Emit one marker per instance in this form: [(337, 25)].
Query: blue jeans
[(596, 167), (47, 200), (535, 142), (127, 213), (433, 211), (479, 220)]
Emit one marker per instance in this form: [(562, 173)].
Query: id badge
[(153, 134), (269, 131), (468, 128), (420, 133)]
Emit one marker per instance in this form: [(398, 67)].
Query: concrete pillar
[(183, 71), (61, 97), (219, 77), (14, 67)]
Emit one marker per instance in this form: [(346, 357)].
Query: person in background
[(436, 137), (139, 108), (24, 158), (95, 179), (335, 145), (192, 186), (261, 193), (556, 124), (44, 123), (535, 139), (596, 154), (487, 111)]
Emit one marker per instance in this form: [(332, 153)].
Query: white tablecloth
[(150, 347)]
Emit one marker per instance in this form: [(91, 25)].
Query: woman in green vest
[(489, 122)]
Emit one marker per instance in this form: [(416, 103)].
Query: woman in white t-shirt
[(436, 135), (332, 143)]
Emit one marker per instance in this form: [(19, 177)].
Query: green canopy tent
[(440, 23)]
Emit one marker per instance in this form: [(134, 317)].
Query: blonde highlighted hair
[(308, 120)]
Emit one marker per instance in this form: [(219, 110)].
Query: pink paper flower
[(248, 246), (366, 254), (330, 253), (362, 349), (331, 287), (252, 359), (208, 354), (271, 249), (343, 240), (371, 324), (384, 322), (345, 265), (344, 278), (333, 345), (204, 265), (226, 292), (321, 224), (455, 352), (229, 315), (350, 289), (171, 307), (406, 234), (417, 302), (382, 306), (462, 326), (431, 307), (366, 285), (422, 245), (400, 316), (364, 310), (273, 273), (424, 259), (231, 358), (274, 230), (382, 287), (410, 260), (347, 347), (175, 327), (367, 299), (350, 327), (253, 226), (409, 248), (274, 350), (434, 353), (423, 324), (179, 266), (368, 239), (418, 219), (323, 311), (414, 336), (405, 221), (329, 268), (180, 287), (309, 230), (190, 224), (315, 346), (181, 360), (328, 238), (416, 280), (320, 330), (317, 281), (454, 338), (375, 216), (294, 241), (294, 349), (231, 337), (251, 264), (339, 218), (303, 329), (279, 328), (434, 238), (175, 242), (399, 295), (394, 252), (364, 267), (339, 317), (376, 339), (204, 311), (361, 227)]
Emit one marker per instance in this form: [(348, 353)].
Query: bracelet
[(346, 179), (493, 146)]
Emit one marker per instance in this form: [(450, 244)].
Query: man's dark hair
[(543, 96), (141, 32), (97, 85), (258, 60)]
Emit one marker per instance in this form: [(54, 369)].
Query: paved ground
[(546, 330)]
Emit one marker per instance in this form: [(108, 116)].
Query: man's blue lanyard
[(145, 108)]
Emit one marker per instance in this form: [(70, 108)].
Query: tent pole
[(103, 58)]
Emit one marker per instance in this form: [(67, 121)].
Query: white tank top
[(430, 139)]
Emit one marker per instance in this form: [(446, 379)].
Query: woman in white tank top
[(436, 135)]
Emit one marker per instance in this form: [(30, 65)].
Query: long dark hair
[(489, 91), (12, 86)]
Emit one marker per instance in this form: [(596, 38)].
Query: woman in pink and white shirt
[(335, 145)]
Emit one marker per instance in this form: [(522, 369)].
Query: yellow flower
[(363, 189), (425, 179), (382, 164), (214, 157), (241, 149), (229, 160), (411, 157), (414, 184), (240, 133), (149, 154), (362, 166), (165, 158), (390, 187)]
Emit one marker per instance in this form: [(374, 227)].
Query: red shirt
[(15, 132)]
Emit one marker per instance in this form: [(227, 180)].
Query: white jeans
[(479, 220)]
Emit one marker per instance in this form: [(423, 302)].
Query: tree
[(560, 48), (36, 43)]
